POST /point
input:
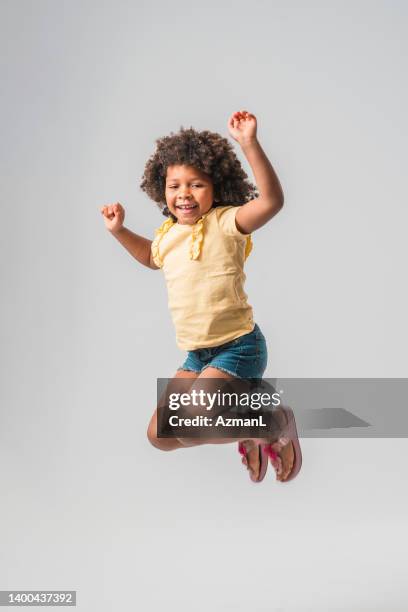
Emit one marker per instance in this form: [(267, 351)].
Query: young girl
[(212, 210)]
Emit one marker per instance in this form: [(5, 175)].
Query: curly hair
[(207, 151)]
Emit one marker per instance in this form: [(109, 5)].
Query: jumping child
[(212, 209)]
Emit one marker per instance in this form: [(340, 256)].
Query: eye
[(196, 185)]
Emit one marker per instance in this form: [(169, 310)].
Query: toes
[(288, 460), (250, 457), (282, 457), (279, 444), (277, 465)]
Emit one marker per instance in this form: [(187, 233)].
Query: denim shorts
[(245, 357)]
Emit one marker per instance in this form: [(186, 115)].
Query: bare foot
[(283, 449), (284, 458), (282, 461), (252, 458)]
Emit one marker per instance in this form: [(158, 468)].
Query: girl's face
[(189, 193)]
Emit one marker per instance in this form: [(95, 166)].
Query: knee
[(152, 434), (160, 443)]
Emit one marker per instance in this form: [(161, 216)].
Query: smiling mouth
[(187, 206)]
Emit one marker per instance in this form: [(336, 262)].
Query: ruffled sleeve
[(197, 236), (163, 229)]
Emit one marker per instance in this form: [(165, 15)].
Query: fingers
[(242, 115), (239, 115), (107, 212), (231, 121), (112, 210)]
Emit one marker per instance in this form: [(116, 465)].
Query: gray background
[(86, 502)]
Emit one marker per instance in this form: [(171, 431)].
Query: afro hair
[(207, 151)]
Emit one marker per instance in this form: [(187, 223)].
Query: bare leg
[(173, 443), (168, 444), (210, 373), (286, 455)]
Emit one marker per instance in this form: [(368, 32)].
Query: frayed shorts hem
[(234, 374), (222, 370)]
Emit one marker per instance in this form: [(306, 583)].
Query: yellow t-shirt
[(203, 265)]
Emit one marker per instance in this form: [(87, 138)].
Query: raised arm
[(254, 214), (138, 246)]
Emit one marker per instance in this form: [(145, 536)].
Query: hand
[(113, 215), (242, 127)]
